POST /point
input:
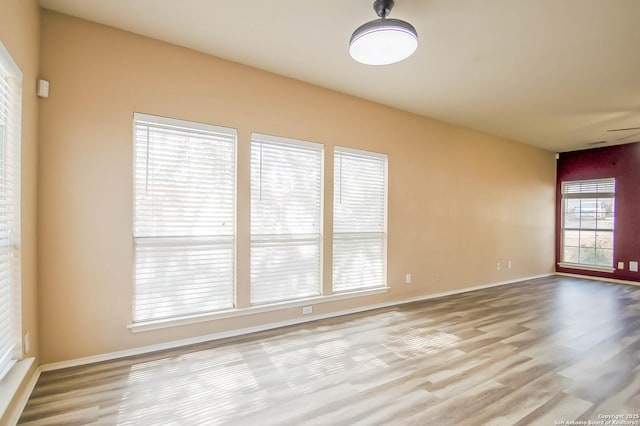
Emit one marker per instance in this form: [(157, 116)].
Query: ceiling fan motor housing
[(383, 7)]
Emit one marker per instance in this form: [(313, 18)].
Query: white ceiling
[(552, 73)]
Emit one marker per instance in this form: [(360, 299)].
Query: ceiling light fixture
[(383, 41)]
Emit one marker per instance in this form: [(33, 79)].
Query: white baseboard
[(264, 327), (463, 290), (589, 277)]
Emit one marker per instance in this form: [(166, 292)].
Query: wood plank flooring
[(543, 352)]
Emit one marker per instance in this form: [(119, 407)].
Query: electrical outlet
[(407, 278), (633, 266), (306, 310), (509, 264), (27, 345), (620, 265), (497, 266)]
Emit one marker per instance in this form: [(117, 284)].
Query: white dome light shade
[(383, 42)]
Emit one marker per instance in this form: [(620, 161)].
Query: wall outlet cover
[(306, 310), (633, 266), (620, 265)]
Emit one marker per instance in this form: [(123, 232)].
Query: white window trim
[(15, 353), (361, 152), (586, 267), (240, 312), (279, 140)]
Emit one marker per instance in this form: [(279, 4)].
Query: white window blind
[(588, 222), (184, 218), (587, 188), (10, 128), (359, 220), (286, 218)]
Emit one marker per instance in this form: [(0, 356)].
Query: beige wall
[(20, 33), (458, 200)]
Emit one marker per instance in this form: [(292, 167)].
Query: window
[(10, 127), (286, 219), (184, 218), (588, 219), (359, 220)]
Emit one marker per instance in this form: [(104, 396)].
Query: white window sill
[(173, 322), (10, 384), (586, 267)]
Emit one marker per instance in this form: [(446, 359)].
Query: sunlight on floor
[(411, 344)]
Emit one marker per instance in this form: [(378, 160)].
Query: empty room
[(319, 213)]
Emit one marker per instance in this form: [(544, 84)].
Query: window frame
[(242, 288), (358, 235), (186, 242), (281, 239), (596, 194), (11, 111)]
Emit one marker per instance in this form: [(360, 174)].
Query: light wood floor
[(539, 352)]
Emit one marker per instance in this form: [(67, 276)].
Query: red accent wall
[(621, 162)]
